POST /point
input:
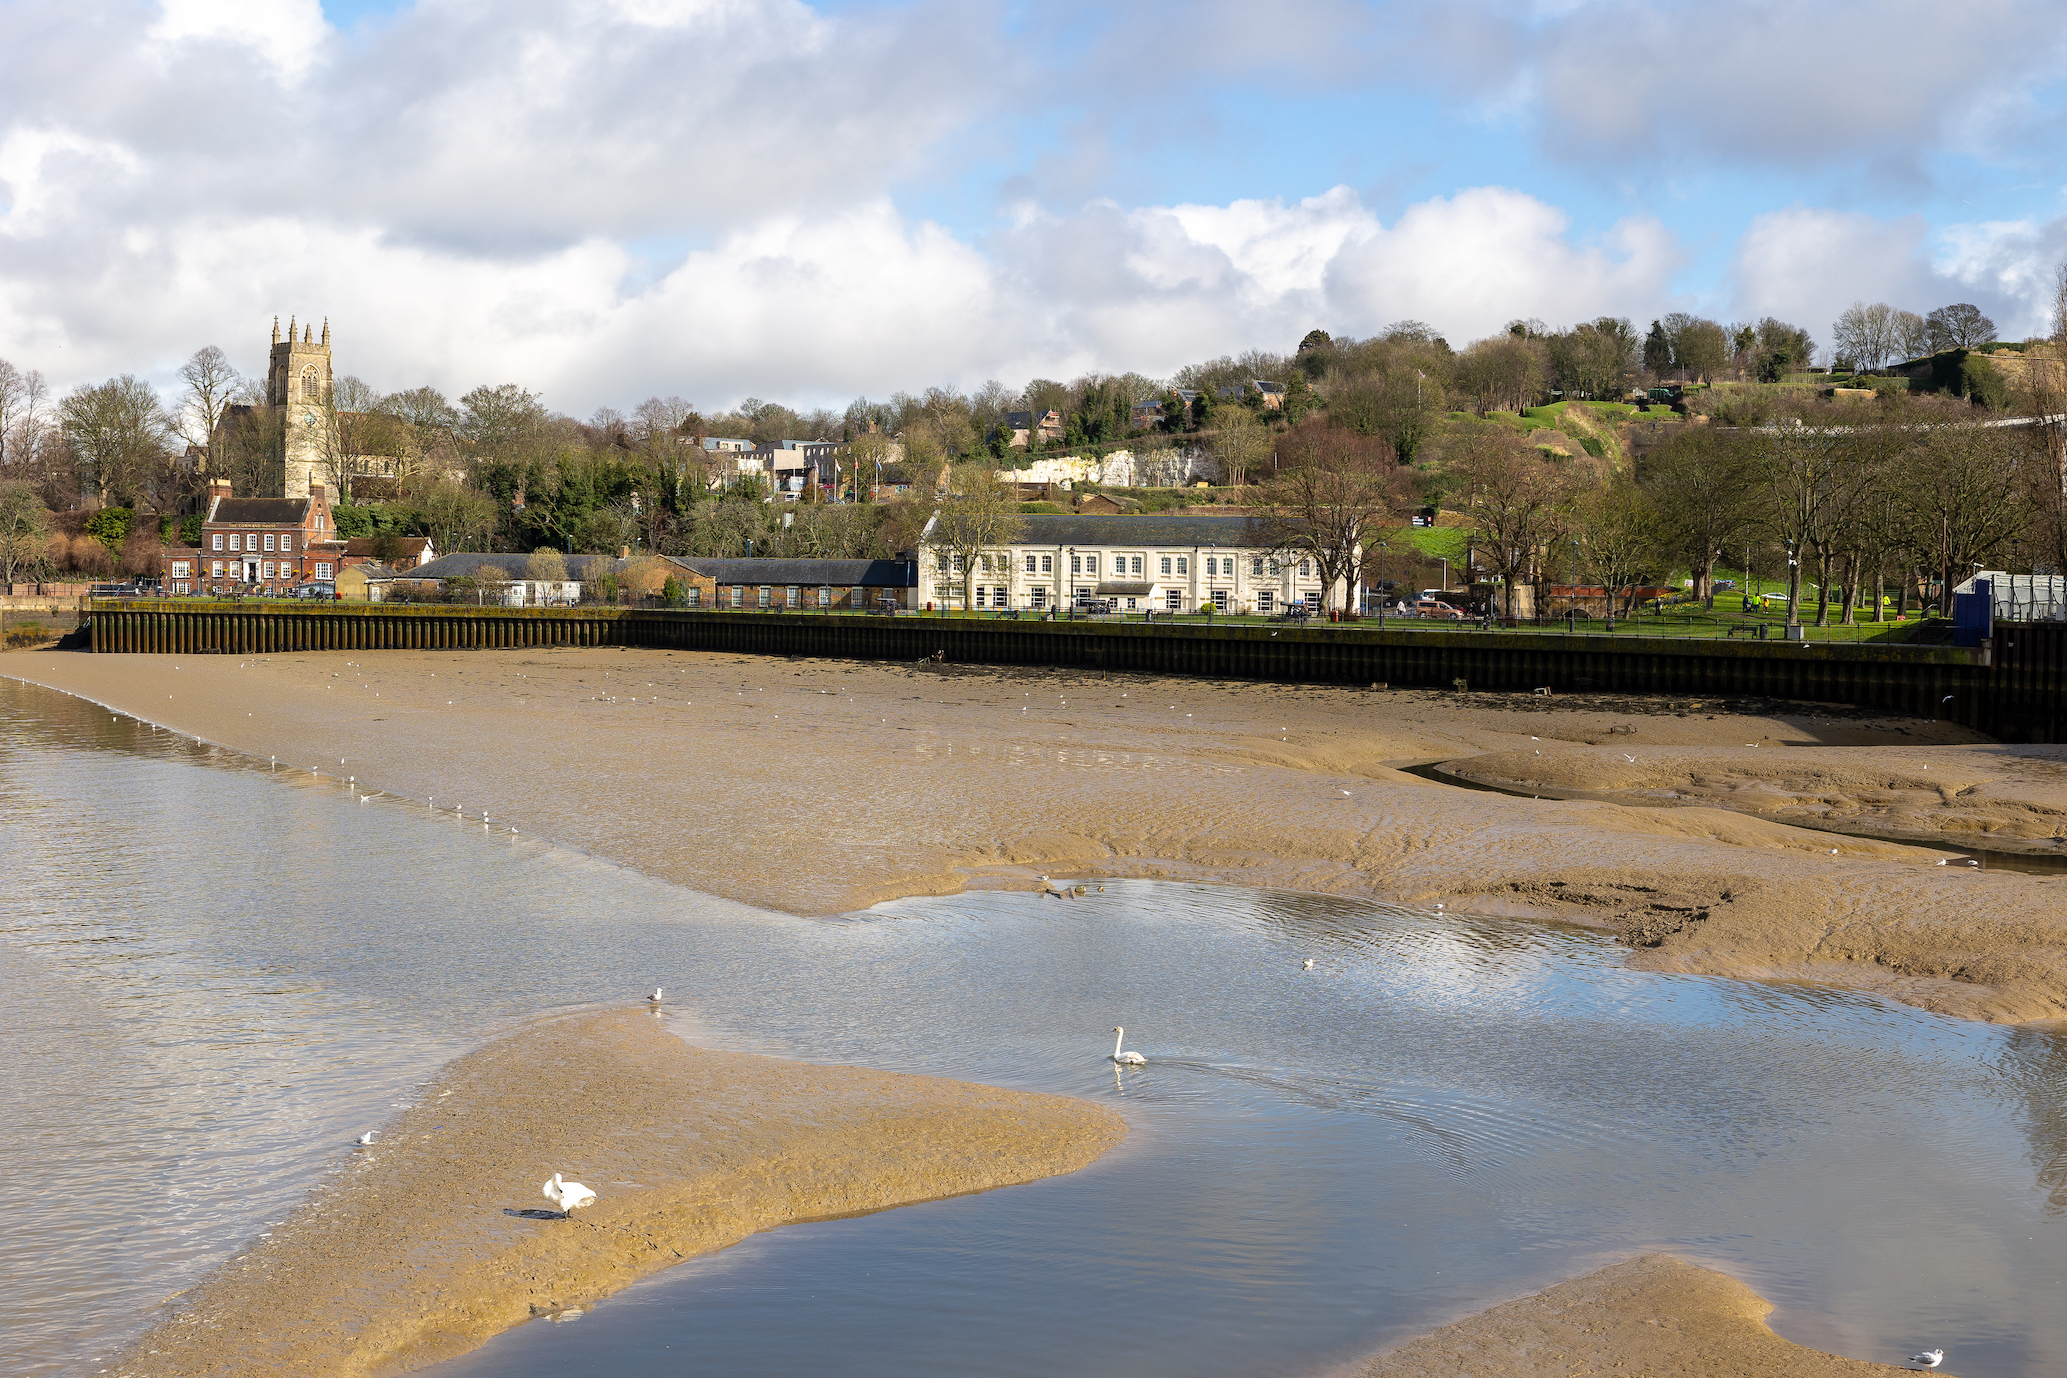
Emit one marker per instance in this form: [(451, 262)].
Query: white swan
[(1129, 1058), (568, 1196)]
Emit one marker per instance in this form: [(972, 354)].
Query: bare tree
[(24, 529), (1912, 336), (210, 384), (1333, 494), (23, 394), (1961, 326), (1619, 535), (975, 518), (1703, 497), (1502, 373), (1864, 335), (1516, 499), (119, 433), (1241, 444)]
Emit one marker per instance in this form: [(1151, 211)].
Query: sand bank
[(417, 1252), (1649, 1316), (823, 786)]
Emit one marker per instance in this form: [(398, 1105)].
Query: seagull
[(568, 1196), (1629, 758), (1346, 794), (366, 1139), (654, 999), (1930, 1358), (1306, 965)]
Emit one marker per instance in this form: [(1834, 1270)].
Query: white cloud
[(287, 33), (1808, 264)]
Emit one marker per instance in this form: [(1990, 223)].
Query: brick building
[(265, 546)]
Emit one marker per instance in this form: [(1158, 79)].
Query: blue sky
[(722, 198)]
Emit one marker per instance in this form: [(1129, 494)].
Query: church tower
[(298, 386)]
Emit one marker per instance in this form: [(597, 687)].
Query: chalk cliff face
[(431, 1240)]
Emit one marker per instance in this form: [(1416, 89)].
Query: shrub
[(671, 592), (110, 526), (1591, 444)]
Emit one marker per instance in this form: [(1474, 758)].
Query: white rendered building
[(1165, 562)]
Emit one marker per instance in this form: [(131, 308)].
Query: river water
[(218, 973)]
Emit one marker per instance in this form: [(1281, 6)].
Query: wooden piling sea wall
[(2012, 691)]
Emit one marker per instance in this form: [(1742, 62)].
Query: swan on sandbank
[(568, 1196), (1130, 1058)]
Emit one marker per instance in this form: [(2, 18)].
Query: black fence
[(2010, 689)]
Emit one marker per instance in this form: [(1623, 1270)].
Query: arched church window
[(309, 390)]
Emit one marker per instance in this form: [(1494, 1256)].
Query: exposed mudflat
[(430, 1241), (1654, 1315), (819, 786)]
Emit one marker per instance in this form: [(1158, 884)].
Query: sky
[(605, 200)]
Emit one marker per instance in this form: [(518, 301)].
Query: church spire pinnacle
[(276, 330), (326, 332)]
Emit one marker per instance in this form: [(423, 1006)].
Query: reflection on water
[(218, 978)]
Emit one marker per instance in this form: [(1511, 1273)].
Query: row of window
[(997, 596), (250, 541), (734, 595), (285, 569), (1217, 566)]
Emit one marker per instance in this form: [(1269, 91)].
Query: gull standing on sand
[(568, 1196), (366, 1139), (1130, 1058), (1930, 1358)]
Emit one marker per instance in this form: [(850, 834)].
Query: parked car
[(1432, 607)]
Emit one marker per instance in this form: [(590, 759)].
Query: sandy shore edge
[(1653, 1315), (418, 1249)]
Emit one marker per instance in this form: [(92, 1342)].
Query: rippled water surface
[(217, 974)]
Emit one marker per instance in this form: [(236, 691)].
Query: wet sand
[(1654, 1315), (418, 1250), (822, 786)]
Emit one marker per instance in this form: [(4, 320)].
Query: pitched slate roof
[(887, 574), (261, 512), (1143, 529), (580, 568)]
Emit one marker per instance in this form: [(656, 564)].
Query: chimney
[(218, 489), (315, 491)]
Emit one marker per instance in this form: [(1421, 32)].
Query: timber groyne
[(2011, 688)]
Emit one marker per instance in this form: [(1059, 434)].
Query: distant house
[(796, 467), (1023, 423), (721, 445), (1273, 394), (774, 584), (267, 546)]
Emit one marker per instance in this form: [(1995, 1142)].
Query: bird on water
[(366, 1139), (1930, 1358), (654, 999), (568, 1196), (1130, 1058), (1306, 965)]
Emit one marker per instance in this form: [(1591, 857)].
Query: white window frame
[(218, 540), (1265, 600), (1165, 566), (322, 569), (1047, 564), (235, 543), (266, 570), (1174, 599), (1184, 564), (1031, 563), (1220, 600), (269, 542)]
